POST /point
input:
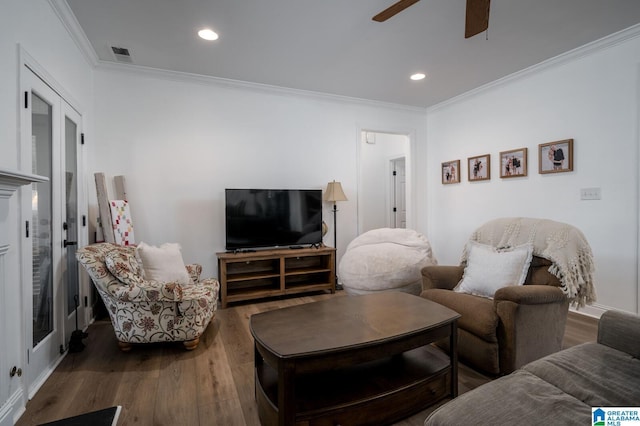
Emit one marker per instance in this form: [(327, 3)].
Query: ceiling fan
[(476, 22)]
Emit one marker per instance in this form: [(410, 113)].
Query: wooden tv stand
[(275, 272)]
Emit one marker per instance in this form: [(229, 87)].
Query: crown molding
[(180, 76), (68, 19), (572, 55)]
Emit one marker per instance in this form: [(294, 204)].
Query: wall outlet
[(590, 194)]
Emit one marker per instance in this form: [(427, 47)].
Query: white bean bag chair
[(385, 259)]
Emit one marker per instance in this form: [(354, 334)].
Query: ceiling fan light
[(208, 34), (418, 76)]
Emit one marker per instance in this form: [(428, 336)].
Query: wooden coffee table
[(353, 360)]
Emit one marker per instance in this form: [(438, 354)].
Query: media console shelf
[(275, 272)]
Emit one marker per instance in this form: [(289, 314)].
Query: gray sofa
[(560, 388)]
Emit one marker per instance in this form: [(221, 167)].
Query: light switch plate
[(590, 194)]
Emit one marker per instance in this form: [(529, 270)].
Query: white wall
[(594, 100), (34, 26), (181, 142)]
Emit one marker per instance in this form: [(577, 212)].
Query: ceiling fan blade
[(393, 10), (477, 17)]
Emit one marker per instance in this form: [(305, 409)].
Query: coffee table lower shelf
[(376, 392)]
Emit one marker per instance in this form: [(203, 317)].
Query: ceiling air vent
[(121, 54)]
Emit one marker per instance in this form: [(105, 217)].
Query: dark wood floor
[(165, 385)]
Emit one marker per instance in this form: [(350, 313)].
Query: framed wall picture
[(555, 157), (479, 167), (513, 163), (451, 172)]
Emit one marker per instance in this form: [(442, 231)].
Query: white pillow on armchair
[(163, 263)]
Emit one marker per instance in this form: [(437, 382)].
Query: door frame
[(28, 64), (409, 170)]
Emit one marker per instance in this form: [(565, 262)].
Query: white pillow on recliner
[(489, 269), (163, 263)]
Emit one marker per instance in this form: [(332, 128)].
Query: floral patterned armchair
[(146, 311)]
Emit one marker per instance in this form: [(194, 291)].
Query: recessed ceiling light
[(208, 34), (418, 76)]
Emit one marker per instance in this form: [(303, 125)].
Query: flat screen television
[(260, 218)]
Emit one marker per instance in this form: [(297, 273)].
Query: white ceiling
[(333, 46)]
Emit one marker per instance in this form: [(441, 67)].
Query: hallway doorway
[(383, 192)]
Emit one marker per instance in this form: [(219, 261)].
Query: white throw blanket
[(564, 245)]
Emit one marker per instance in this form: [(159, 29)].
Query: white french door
[(72, 219), (51, 131)]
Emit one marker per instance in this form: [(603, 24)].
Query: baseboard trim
[(42, 378), (594, 310), (12, 409)]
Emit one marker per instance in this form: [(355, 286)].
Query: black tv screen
[(258, 218)]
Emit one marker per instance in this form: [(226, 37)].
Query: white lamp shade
[(334, 192)]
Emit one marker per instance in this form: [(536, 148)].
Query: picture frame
[(555, 157), (479, 167), (450, 172), (513, 163)]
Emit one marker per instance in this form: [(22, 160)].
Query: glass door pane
[(71, 220), (41, 223)]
